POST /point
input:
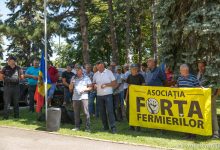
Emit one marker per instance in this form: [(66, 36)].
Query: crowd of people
[(101, 90)]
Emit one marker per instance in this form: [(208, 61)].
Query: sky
[(3, 12)]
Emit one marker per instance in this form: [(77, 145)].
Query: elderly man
[(155, 76), (104, 81), (187, 80), (201, 76), (134, 78), (80, 86)]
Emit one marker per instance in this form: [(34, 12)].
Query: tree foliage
[(1, 43), (190, 31)]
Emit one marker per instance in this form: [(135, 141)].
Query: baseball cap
[(118, 67), (78, 67), (11, 58), (201, 61), (134, 66)]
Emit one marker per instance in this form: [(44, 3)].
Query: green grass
[(150, 137)]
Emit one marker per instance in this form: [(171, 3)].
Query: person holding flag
[(40, 93)]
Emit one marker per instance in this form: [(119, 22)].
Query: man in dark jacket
[(11, 74)]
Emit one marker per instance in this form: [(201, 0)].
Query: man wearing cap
[(135, 78), (113, 67), (11, 74), (80, 86), (92, 94), (116, 94), (104, 81), (32, 75), (66, 77), (121, 89)]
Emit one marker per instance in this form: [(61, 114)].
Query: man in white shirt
[(104, 81), (80, 86)]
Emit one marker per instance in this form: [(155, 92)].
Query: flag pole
[(45, 55)]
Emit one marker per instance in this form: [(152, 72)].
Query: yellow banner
[(178, 109)]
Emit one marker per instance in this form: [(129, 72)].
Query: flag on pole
[(39, 92)]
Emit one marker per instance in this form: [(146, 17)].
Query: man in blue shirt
[(155, 76), (32, 75)]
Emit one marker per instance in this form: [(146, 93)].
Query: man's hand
[(35, 77), (30, 76), (1, 76), (103, 86), (22, 77), (71, 86), (95, 86), (82, 91)]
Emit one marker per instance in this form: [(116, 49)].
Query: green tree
[(115, 55), (72, 19), (84, 31), (189, 31), (67, 54), (1, 43), (25, 27)]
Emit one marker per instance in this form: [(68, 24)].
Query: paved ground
[(18, 139)]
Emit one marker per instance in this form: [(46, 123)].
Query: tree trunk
[(115, 53), (154, 31), (84, 32), (127, 35), (139, 32)]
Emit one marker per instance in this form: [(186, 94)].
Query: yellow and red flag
[(40, 92)]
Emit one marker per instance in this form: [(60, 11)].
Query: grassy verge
[(151, 137)]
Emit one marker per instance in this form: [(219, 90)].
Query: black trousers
[(11, 94), (31, 92), (117, 107), (106, 111)]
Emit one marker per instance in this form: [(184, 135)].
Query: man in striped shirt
[(186, 79)]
